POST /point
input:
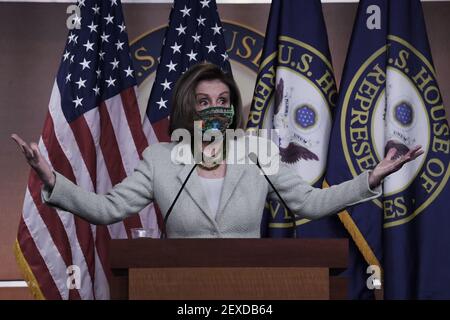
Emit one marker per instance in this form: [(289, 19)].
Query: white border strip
[(13, 284)]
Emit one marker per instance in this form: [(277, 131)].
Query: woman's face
[(211, 93)]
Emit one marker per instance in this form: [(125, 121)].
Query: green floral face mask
[(216, 118)]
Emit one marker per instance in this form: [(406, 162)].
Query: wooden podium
[(228, 269)]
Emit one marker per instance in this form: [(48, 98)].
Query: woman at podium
[(219, 194)]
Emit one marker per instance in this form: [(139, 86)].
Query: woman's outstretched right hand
[(36, 161)]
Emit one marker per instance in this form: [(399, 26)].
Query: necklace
[(209, 167)]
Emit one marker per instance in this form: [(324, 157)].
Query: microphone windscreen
[(253, 157)]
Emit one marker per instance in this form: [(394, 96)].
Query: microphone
[(254, 158), (164, 233)]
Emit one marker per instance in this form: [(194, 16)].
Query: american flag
[(195, 34), (93, 136)]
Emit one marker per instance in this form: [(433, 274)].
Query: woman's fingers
[(35, 150), (416, 152), (19, 141), (26, 149), (36, 161), (31, 152), (410, 156), (391, 153)]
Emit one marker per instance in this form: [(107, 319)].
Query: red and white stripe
[(96, 151)]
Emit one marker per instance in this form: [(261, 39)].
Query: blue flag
[(389, 98), (295, 93)]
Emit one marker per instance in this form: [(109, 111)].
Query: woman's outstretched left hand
[(391, 164)]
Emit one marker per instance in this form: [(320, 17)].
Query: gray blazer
[(244, 192)]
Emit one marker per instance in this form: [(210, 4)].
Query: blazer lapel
[(233, 174), (194, 188), (230, 183)]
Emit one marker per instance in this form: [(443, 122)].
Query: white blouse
[(213, 189)]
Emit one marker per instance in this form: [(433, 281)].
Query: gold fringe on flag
[(356, 235), (28, 275)]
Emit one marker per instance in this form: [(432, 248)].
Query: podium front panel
[(229, 283)]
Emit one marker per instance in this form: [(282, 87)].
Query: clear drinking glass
[(139, 233)]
